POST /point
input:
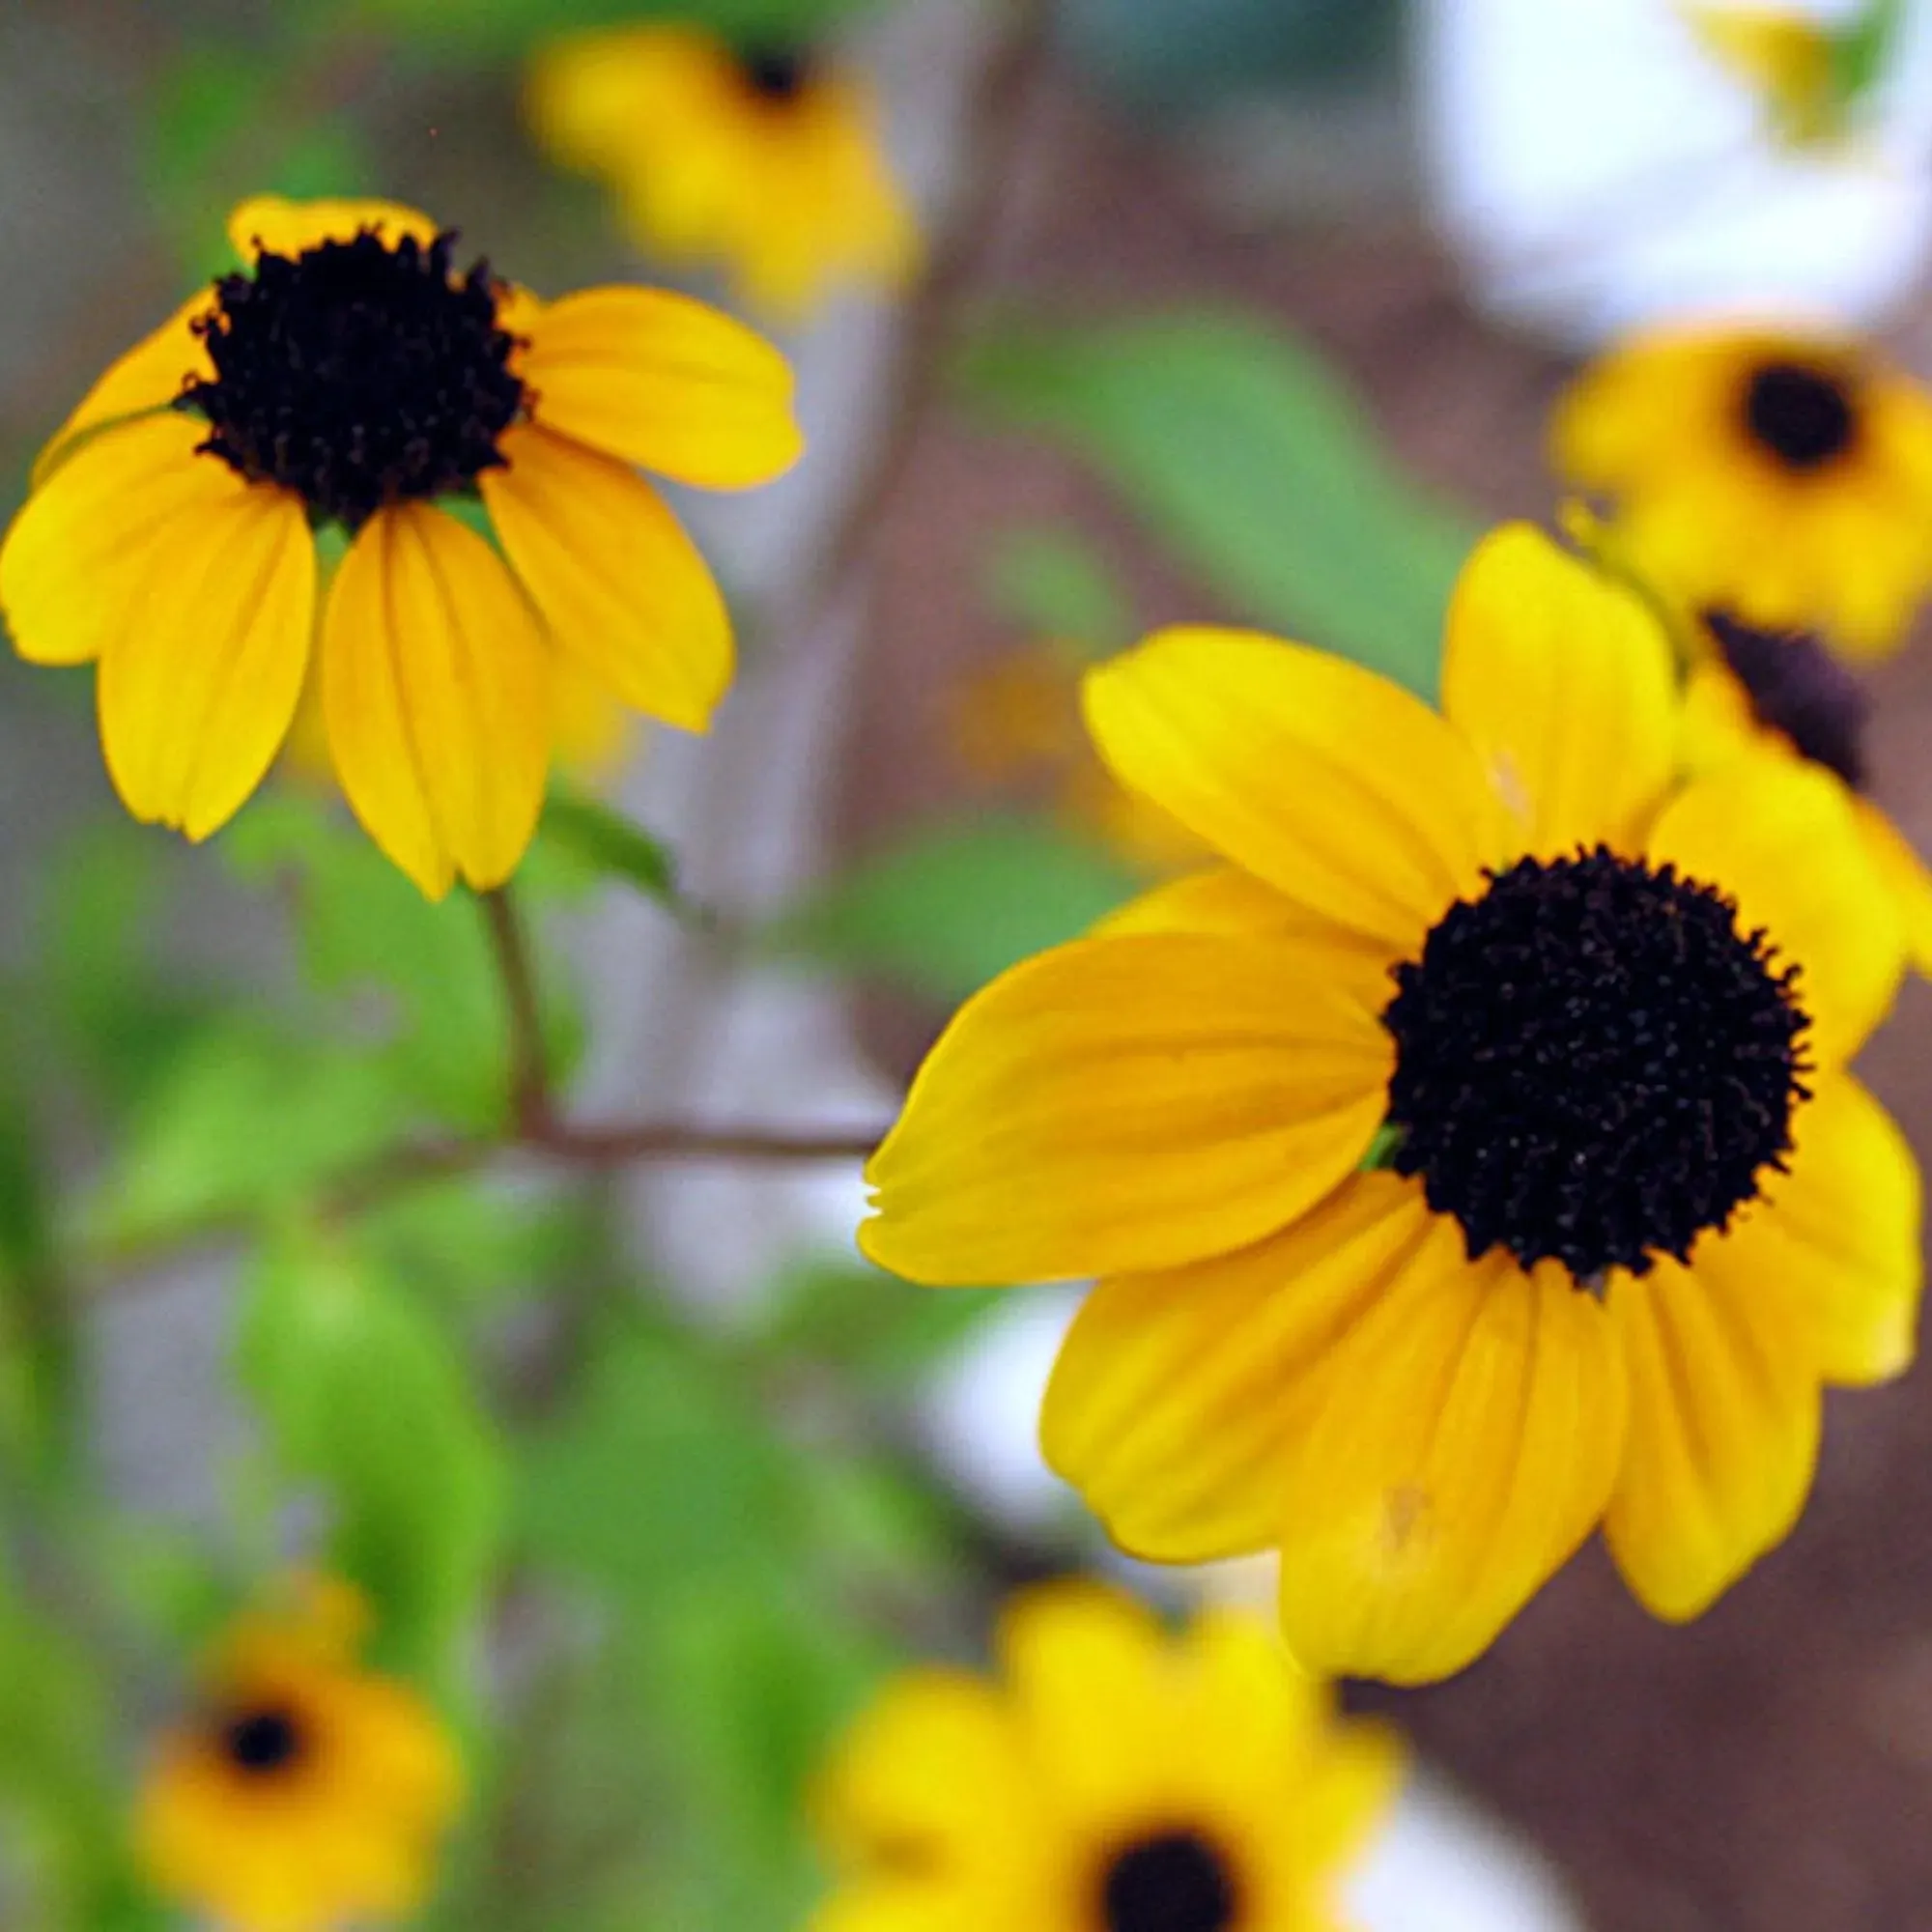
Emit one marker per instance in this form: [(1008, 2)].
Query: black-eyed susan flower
[(350, 382), (1015, 725), (1470, 1159), (1114, 1778), (1784, 477), (305, 1792), (1752, 691), (767, 159)]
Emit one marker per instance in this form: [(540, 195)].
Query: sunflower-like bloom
[(305, 1792), (1753, 691), (1785, 478), (1116, 1780), (1470, 1159), (348, 379), (767, 159), (1017, 723)]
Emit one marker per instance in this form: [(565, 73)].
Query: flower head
[(767, 158), (1114, 1778), (1785, 478), (305, 1790), (1471, 1158), (355, 377)]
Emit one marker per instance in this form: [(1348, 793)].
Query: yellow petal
[(200, 679), (1724, 1428), (1564, 684), (1226, 899), (435, 686), (1332, 785), (1780, 836), (662, 380), (620, 587), (77, 552), (1463, 1443), (1906, 877), (1840, 1232), (148, 376), (1176, 1395), (274, 224), (1718, 722), (1130, 1103)]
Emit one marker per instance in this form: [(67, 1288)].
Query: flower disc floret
[(1169, 1881), (358, 372), (1593, 1064), (1803, 416), (262, 1741)]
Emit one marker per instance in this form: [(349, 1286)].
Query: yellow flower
[(1784, 477), (1753, 691), (1018, 721), (1628, 1210), (349, 377), (769, 159), (1784, 59), (1116, 1779), (305, 1790)]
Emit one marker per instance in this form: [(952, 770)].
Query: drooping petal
[(200, 676), (1130, 1103), (1462, 1445), (1175, 1394), (274, 224), (148, 376), (664, 382), (1723, 1428), (1564, 684), (620, 587), (1334, 786), (436, 687), (1780, 836), (1840, 1233), (76, 556)]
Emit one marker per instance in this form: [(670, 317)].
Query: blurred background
[(1227, 309)]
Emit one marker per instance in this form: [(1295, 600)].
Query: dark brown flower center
[(1593, 1064), (357, 373), (1172, 1882), (263, 1739), (776, 73), (1803, 416)]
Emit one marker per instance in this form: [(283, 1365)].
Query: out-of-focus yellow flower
[(1584, 1023), (1785, 59), (1751, 692), (767, 159), (305, 1792), (1784, 477), (1114, 1778), (348, 376), (1017, 723)]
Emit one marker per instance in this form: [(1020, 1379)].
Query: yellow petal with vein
[(662, 380), (1130, 1103), (1723, 1428), (200, 679), (621, 589), (1462, 1445), (1177, 1394), (1350, 795), (436, 687), (1564, 684)]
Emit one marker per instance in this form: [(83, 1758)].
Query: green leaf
[(1246, 454), (1054, 583), (1865, 49), (951, 905), (365, 928), (826, 1308), (499, 29), (363, 1395), (608, 844)]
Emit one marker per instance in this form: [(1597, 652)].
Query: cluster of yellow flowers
[(1464, 1148)]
